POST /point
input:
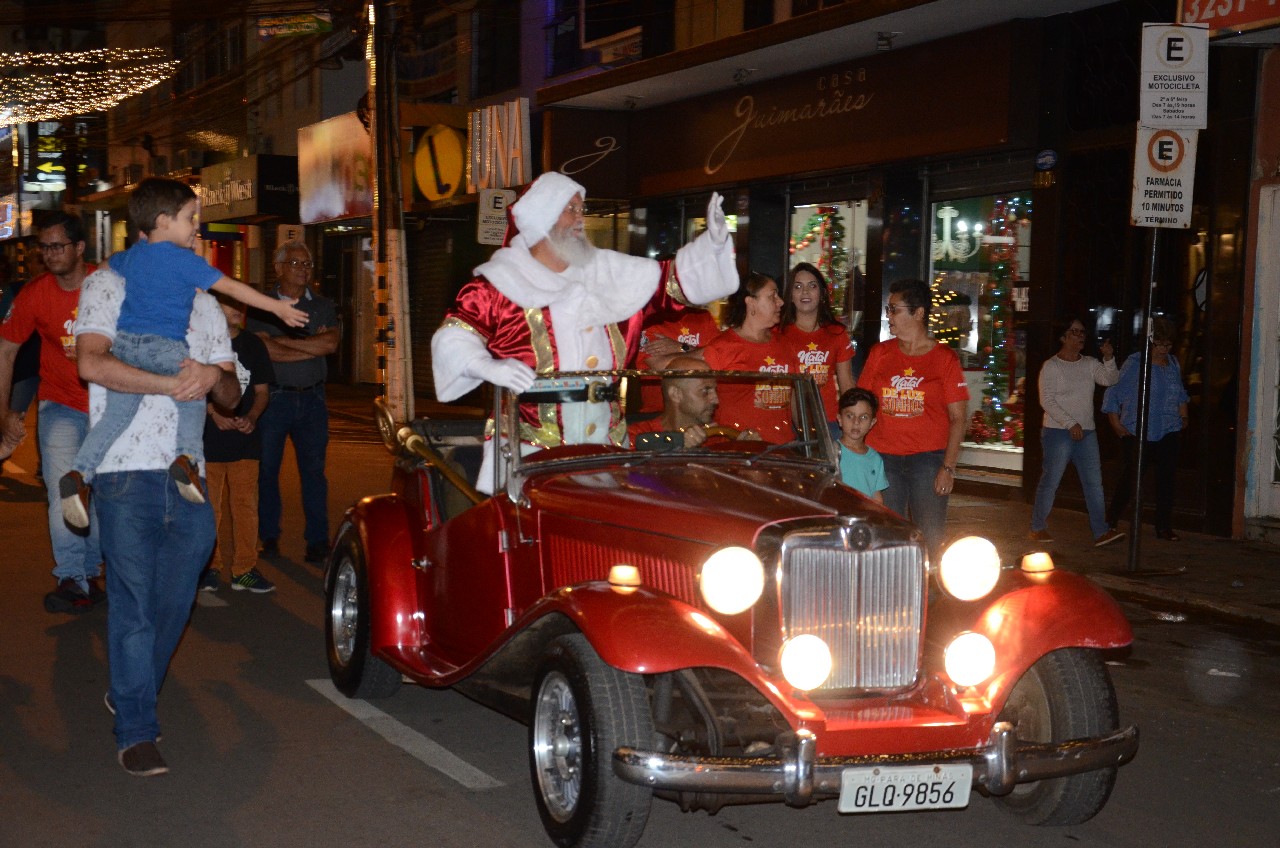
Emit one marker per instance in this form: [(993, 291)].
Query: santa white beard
[(571, 246)]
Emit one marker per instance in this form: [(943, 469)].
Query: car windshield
[(601, 415)]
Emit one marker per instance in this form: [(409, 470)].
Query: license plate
[(893, 789)]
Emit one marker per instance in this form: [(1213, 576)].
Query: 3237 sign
[(1229, 16)]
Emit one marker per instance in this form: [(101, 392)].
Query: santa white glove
[(717, 226), (509, 373)]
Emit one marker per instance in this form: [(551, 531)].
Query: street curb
[(1250, 613)]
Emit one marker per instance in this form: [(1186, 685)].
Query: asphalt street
[(264, 753)]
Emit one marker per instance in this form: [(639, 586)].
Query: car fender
[(385, 526), (1032, 615), (644, 631)]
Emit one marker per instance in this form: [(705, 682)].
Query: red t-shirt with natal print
[(913, 392), (766, 407), (693, 327), (818, 353)]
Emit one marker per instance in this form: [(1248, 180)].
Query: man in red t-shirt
[(47, 306), (666, 336)]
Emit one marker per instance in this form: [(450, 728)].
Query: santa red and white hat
[(538, 209)]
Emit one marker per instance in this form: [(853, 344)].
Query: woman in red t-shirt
[(751, 344), (820, 343), (923, 401)]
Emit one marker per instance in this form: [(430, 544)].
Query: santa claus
[(552, 301)]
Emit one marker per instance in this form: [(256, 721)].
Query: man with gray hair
[(551, 301), (297, 408)]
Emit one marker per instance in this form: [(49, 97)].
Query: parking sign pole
[(1173, 107), (1144, 405)]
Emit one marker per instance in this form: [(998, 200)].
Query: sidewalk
[(1222, 577)]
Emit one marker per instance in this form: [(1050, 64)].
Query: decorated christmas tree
[(1000, 417), (837, 258)]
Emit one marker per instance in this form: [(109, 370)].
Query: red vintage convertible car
[(717, 625)]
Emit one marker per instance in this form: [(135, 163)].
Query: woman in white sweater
[(1067, 383)]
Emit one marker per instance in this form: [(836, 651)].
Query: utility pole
[(394, 347)]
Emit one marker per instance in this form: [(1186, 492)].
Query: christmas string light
[(49, 86)]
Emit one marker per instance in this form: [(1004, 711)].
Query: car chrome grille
[(866, 605)]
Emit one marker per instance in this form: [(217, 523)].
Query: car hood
[(698, 500)]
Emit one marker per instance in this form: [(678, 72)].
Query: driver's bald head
[(690, 398), (687, 363)]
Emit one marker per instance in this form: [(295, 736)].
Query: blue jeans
[(303, 417), (1161, 454), (156, 543), (1060, 449), (157, 355), (911, 495), (61, 429)]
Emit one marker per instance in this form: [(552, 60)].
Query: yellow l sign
[(438, 162)]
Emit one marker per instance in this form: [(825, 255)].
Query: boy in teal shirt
[(860, 466)]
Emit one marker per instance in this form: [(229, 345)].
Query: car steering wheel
[(721, 430)]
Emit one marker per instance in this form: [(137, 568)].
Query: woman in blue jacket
[(1166, 418)]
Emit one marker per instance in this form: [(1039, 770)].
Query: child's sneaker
[(209, 580), (184, 472), (75, 499)]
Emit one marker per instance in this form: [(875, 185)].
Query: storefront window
[(606, 225), (981, 251)]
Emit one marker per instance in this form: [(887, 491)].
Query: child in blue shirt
[(860, 465), (162, 275)]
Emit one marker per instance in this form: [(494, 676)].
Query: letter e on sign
[(1165, 151)]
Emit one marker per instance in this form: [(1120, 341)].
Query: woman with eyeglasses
[(751, 343), (923, 403), (1166, 418), (1068, 435), (820, 343)]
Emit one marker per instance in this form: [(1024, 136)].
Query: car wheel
[(355, 671), (582, 710), (1067, 694)]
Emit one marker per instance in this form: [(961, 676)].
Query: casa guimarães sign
[(884, 108)]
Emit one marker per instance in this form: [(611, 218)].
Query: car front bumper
[(799, 777)]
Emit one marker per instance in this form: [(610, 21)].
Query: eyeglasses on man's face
[(304, 264), (898, 307), (53, 247)]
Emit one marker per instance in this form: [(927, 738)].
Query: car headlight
[(731, 580), (806, 662), (970, 568), (969, 659)]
